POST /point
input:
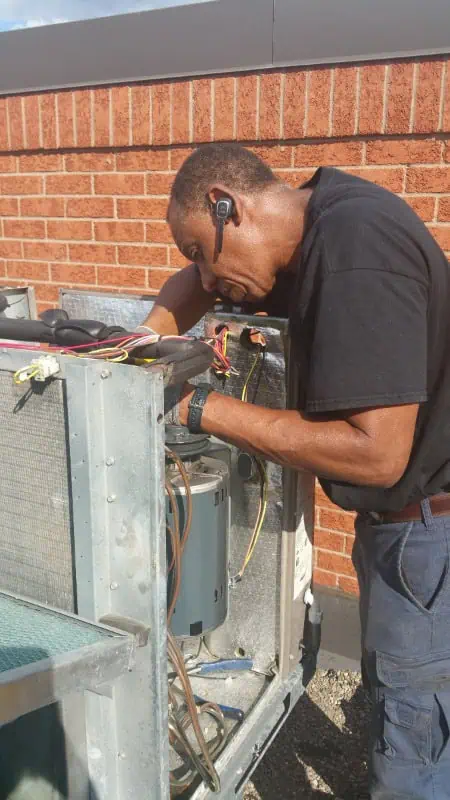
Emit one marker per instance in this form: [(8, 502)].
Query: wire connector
[(40, 369)]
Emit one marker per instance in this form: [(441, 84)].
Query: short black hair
[(230, 164)]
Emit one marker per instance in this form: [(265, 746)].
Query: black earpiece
[(223, 210)]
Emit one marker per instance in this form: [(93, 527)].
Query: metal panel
[(36, 540), (22, 302), (324, 31), (113, 309), (186, 40)]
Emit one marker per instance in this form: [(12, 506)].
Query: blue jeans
[(404, 579)]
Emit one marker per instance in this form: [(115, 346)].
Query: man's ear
[(219, 191)]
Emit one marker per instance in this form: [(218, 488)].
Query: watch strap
[(196, 406)]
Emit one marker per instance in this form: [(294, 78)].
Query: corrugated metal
[(35, 541)]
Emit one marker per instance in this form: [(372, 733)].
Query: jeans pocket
[(423, 567), (406, 731)]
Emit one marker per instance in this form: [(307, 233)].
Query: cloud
[(33, 13)]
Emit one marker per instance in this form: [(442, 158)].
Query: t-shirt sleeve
[(369, 346)]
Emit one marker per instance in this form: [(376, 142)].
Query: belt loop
[(427, 514)]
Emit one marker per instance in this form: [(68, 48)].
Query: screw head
[(105, 373), (111, 498), (110, 461), (113, 586)]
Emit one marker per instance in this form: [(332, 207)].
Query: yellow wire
[(249, 377), (25, 371)]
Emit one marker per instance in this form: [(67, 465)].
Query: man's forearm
[(181, 303), (331, 449)]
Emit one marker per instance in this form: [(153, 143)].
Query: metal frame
[(29, 295), (148, 45)]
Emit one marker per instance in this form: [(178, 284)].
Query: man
[(367, 292)]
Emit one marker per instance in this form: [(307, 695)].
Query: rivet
[(114, 586), (105, 373), (110, 461), (122, 756), (111, 498)]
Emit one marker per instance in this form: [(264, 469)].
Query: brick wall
[(85, 176)]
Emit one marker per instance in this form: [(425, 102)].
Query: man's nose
[(209, 282)]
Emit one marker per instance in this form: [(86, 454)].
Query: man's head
[(223, 213)]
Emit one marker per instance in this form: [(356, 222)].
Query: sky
[(16, 14)]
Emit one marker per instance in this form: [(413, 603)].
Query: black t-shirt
[(370, 325)]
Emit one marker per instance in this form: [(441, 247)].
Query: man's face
[(243, 271)]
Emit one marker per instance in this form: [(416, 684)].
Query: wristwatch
[(196, 406)]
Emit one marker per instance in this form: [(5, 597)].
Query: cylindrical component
[(203, 600)]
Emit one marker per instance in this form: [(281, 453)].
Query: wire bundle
[(222, 364), (180, 720)]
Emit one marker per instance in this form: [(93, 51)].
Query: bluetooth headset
[(223, 210)]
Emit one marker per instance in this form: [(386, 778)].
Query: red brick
[(247, 87), (294, 105), (202, 110), (399, 98), (349, 544), (92, 253), (68, 184), (428, 179), (177, 259), (325, 578), (32, 122), (2, 268), (446, 109), (98, 207), (102, 127), (322, 500), (24, 229), (161, 114), (119, 231), (371, 98), (328, 540), (48, 120), (158, 233), (428, 96), (319, 98), (67, 230), (444, 209), (8, 164), (159, 183), (121, 276), (440, 233), (344, 101), (40, 162), (146, 256), (10, 249), (140, 115), (348, 585), (137, 160), (142, 208), (181, 112), (274, 155), (121, 104), (178, 155), (224, 108), (332, 154), (16, 122), (42, 207), (4, 139), (83, 116), (28, 270), (392, 151), (66, 119), (423, 206), (269, 105), (119, 184), (157, 277), (333, 562), (46, 292), (391, 179), (41, 307), (89, 162), (9, 207), (45, 251), (73, 273), (295, 178), (337, 520)]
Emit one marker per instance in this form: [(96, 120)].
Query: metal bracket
[(128, 625)]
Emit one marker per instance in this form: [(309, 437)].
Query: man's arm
[(368, 447), (181, 303)]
